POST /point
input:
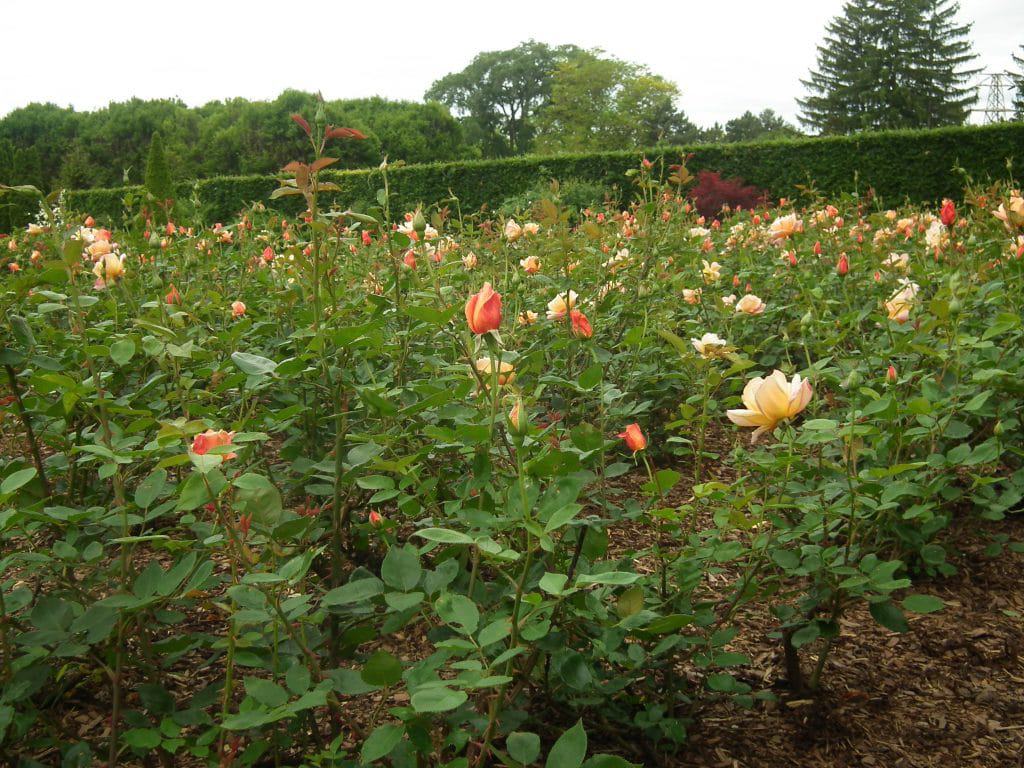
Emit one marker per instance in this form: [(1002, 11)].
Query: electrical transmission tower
[(999, 88)]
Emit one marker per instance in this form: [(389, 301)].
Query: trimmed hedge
[(915, 165)]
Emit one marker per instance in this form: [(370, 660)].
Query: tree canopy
[(500, 93), (599, 102)]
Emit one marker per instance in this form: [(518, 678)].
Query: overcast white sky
[(726, 56)]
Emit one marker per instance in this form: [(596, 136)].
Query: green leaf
[(401, 568), (16, 480), (121, 352), (923, 603), (253, 365), (258, 497), (570, 749), (430, 315), (458, 610), (889, 616), (523, 746), (357, 591), (267, 693), (437, 699), (591, 377), (142, 738), (22, 331), (444, 536), (382, 669), (149, 490), (380, 743)]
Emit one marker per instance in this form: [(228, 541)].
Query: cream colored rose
[(785, 227), (561, 305), (530, 265), (512, 231), (751, 305), (485, 367), (709, 345)]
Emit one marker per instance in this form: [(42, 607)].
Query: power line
[(999, 87)]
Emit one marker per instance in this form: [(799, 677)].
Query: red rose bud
[(376, 520), (948, 213), (890, 374), (483, 310), (172, 297), (366, 238), (244, 521), (735, 281), (634, 438), (843, 266), (581, 327), (817, 248)]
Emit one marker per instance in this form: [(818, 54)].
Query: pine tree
[(845, 75), (891, 64), (158, 175)]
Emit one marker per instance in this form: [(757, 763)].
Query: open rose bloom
[(709, 345), (560, 306), (770, 400), (750, 305)]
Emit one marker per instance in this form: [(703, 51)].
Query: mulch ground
[(948, 693)]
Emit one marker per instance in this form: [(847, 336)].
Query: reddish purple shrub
[(712, 192)]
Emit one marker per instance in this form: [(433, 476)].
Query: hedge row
[(916, 165)]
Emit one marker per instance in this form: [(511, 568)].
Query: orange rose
[(634, 438), (483, 310), (204, 442)]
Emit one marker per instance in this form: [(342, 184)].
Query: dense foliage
[(891, 64), (53, 147), (341, 488), (499, 94), (916, 165), (600, 103)]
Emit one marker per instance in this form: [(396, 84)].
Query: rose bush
[(345, 488)]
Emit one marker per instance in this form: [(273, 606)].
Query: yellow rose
[(770, 400)]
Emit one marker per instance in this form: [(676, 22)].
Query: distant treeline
[(51, 146)]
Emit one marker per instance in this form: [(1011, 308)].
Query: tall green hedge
[(915, 165)]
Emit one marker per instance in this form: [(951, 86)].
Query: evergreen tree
[(158, 175), (891, 64)]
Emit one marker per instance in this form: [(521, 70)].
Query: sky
[(726, 56)]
